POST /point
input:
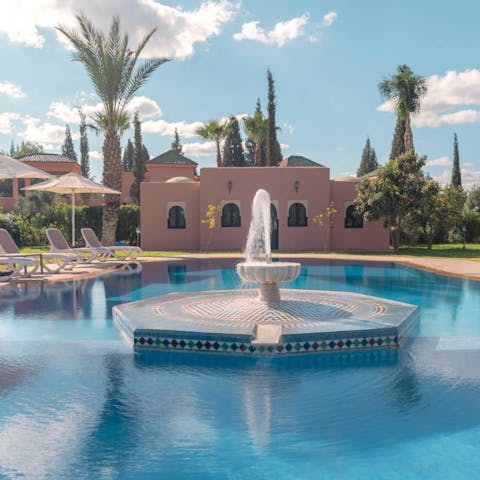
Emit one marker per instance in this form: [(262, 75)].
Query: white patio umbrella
[(72, 183), (11, 168)]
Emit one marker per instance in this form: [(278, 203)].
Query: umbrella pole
[(73, 218)]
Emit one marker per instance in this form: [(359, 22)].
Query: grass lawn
[(472, 252)]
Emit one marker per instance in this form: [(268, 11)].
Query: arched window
[(352, 218), (297, 215), (231, 215), (176, 217)]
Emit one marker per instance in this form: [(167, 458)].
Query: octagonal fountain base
[(235, 322)]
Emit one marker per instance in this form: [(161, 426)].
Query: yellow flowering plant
[(324, 219)]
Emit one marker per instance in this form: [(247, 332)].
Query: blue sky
[(327, 58)]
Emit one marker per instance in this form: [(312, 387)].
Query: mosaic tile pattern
[(325, 345), (223, 322), (298, 308)]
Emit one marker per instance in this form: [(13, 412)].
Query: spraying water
[(258, 240)]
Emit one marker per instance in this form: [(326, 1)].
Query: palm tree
[(216, 131), (116, 77), (256, 128), (405, 89)]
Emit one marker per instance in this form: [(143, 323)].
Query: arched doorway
[(274, 233)]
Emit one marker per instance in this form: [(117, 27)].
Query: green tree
[(116, 77), (139, 166), (84, 148), (456, 173), (398, 142), (369, 161), (473, 198), (25, 148), (256, 129), (12, 149), (250, 145), (393, 193), (233, 148), (176, 145), (127, 160), (273, 151), (216, 131), (68, 150), (405, 89)]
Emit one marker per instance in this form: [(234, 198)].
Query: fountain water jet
[(258, 267)]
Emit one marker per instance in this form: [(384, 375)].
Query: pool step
[(267, 335)]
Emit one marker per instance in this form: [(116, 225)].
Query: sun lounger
[(15, 267), (52, 262), (58, 244), (119, 252)]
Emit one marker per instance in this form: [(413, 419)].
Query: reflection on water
[(75, 402)]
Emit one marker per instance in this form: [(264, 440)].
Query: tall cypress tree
[(176, 145), (84, 158), (273, 151), (456, 173), (398, 142), (369, 160), (67, 148), (233, 148), (127, 160), (139, 165), (12, 149)]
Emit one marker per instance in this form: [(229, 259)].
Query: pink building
[(172, 209), (52, 163)]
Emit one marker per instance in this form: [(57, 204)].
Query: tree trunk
[(408, 137), (257, 155), (112, 177), (219, 155)]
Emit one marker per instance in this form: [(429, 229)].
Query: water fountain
[(258, 266), (270, 321)]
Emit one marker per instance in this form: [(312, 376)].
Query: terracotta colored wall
[(161, 173), (56, 168), (314, 188), (155, 200), (127, 180), (373, 236)]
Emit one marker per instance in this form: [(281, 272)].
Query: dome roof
[(180, 180)]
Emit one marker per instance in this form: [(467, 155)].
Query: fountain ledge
[(304, 322)]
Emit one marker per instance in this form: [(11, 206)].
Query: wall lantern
[(229, 186), (296, 185)]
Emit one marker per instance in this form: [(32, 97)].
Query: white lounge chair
[(15, 267), (52, 262), (58, 244), (120, 252)]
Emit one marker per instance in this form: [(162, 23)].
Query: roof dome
[(180, 180)]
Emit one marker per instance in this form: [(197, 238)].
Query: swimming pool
[(75, 401)]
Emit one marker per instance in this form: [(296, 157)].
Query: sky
[(326, 57)]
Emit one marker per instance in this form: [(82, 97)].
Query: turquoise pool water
[(76, 403)]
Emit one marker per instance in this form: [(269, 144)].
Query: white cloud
[(282, 32), (288, 127), (162, 127), (178, 29), (68, 113), (446, 99), (6, 122), (329, 18), (12, 90), (469, 177), (44, 133), (95, 154), (438, 162), (206, 149)]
